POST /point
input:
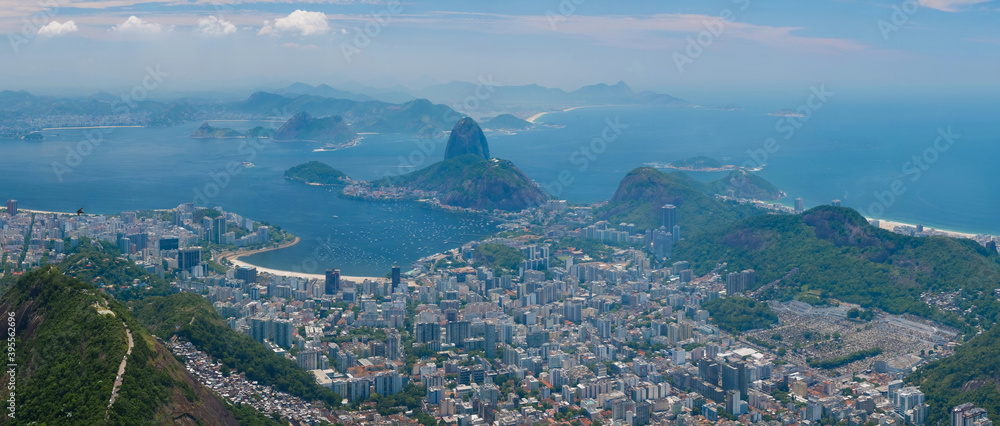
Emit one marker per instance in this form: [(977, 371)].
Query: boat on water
[(247, 164)]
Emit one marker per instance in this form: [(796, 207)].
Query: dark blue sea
[(858, 150)]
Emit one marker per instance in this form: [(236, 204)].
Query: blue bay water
[(851, 149)]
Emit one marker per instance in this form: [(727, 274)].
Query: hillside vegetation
[(193, 318), (738, 314), (838, 254), (744, 184), (316, 172), (972, 374), (643, 191), (71, 339), (472, 181)]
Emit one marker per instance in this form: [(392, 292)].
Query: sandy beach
[(539, 115), (889, 225), (45, 212), (234, 258), (91, 127), (301, 274), (71, 213)]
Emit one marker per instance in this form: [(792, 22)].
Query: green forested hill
[(971, 375), (192, 317), (839, 254), (746, 185), (99, 264), (474, 182), (738, 314), (160, 310), (70, 340), (643, 191), (316, 172)]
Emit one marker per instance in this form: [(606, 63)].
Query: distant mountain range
[(425, 112), (302, 127), (520, 98), (419, 117)]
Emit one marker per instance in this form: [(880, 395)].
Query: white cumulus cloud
[(215, 26), (300, 21), (54, 28), (134, 23)]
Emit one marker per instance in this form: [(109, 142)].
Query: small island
[(469, 179), (206, 131), (507, 122), (698, 164), (33, 136), (317, 173), (786, 113)]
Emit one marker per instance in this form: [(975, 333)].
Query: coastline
[(48, 212), (539, 115), (888, 225), (234, 258), (300, 274), (74, 213), (91, 127)]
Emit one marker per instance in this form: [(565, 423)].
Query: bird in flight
[(79, 212)]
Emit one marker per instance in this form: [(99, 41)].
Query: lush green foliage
[(410, 398), (68, 356), (474, 182), (316, 172), (838, 254), (738, 314), (831, 363), (200, 214), (498, 256), (192, 317), (146, 384), (746, 185), (248, 416), (860, 314), (645, 190), (597, 250), (970, 375), (99, 264), (699, 162), (68, 362)]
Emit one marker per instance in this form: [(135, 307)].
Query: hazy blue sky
[(763, 45)]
